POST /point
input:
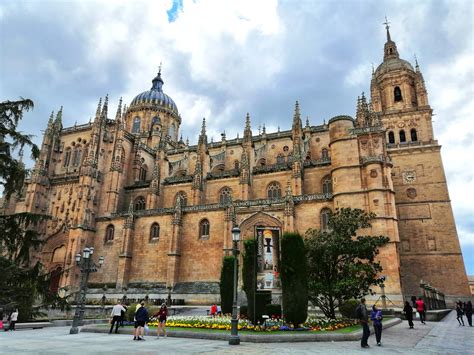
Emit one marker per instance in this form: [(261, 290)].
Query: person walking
[(468, 312), (116, 316), (141, 318), (362, 315), (421, 309), (13, 319), (213, 310), (408, 309), (459, 313), (376, 318), (162, 315)]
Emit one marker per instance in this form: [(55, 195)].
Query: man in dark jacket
[(363, 316), (141, 318)]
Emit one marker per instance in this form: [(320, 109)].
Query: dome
[(393, 64), (155, 97)]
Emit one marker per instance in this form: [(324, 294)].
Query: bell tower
[(428, 237)]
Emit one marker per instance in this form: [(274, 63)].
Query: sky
[(222, 59)]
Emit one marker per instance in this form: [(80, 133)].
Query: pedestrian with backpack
[(362, 315)]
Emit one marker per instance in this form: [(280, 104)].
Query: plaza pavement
[(444, 337)]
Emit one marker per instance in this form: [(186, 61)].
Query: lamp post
[(384, 297), (234, 336), (87, 266)]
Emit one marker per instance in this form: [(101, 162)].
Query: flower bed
[(224, 323)]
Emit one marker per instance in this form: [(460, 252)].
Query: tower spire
[(99, 108), (158, 81), (118, 115), (387, 27), (105, 108), (390, 48)]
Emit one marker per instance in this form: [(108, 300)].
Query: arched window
[(155, 232), (391, 137), (274, 191), (308, 157), (324, 153), (280, 159), (184, 198), (136, 125), (76, 157), (225, 196), (67, 157), (143, 172), (325, 213), (402, 136), (156, 120), (413, 135), (262, 162), (139, 203), (204, 229), (327, 184), (109, 233), (171, 130), (397, 94), (236, 165)]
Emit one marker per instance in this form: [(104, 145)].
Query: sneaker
[(379, 344), (135, 338), (140, 338)]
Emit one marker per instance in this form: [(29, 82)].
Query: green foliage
[(12, 172), (348, 308), (227, 284), (130, 314), (341, 263), (294, 278), (273, 310), (22, 281), (262, 298), (243, 311), (249, 275)]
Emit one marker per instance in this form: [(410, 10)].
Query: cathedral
[(161, 211)]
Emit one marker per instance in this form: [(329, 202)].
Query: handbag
[(146, 329)]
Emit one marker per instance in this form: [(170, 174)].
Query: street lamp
[(87, 266), (234, 336)]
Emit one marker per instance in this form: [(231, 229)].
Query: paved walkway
[(434, 338)]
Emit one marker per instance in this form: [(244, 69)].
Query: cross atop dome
[(387, 27)]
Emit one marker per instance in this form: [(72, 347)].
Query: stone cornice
[(219, 206)]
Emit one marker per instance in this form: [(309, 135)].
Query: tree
[(294, 278), (12, 171), (227, 284), (22, 280), (249, 275), (342, 264)]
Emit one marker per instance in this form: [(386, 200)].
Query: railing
[(434, 299), (317, 162), (271, 168), (375, 158), (223, 174), (177, 179)]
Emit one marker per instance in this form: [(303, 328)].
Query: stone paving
[(444, 337)]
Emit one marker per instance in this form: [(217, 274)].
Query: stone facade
[(161, 211)]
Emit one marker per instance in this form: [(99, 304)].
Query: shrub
[(249, 275), (348, 308), (273, 310), (129, 315), (294, 278), (243, 311), (227, 284)]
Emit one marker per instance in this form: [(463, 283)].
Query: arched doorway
[(266, 231), (55, 279)]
